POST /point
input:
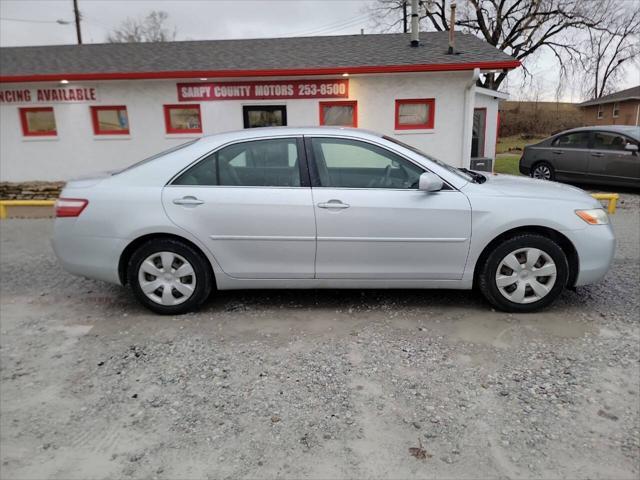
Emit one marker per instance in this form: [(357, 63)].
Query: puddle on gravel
[(502, 332)]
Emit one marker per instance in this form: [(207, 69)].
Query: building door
[(479, 130), (264, 116), (373, 222)]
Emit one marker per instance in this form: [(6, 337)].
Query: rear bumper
[(596, 247), (87, 256), (524, 166)]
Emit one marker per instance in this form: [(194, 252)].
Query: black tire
[(486, 280), (201, 268), (545, 167)]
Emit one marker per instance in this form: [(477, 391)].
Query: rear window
[(572, 140), (157, 155)]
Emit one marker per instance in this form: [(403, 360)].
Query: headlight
[(597, 216)]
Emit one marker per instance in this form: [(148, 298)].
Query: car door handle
[(558, 152), (596, 154), (333, 204), (188, 201)]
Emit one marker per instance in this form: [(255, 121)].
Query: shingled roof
[(632, 93), (255, 57)]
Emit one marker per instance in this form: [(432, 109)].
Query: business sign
[(48, 95), (267, 90)]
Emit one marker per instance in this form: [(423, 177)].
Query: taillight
[(70, 207)]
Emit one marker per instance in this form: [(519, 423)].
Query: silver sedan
[(326, 208)]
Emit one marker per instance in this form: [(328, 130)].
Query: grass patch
[(515, 143), (507, 164)]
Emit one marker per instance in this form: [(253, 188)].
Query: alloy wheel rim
[(542, 172), (167, 278), (526, 275)]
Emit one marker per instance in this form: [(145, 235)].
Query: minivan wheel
[(543, 171), (169, 277), (524, 273)]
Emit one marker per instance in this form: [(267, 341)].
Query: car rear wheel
[(524, 273), (169, 277), (543, 171)]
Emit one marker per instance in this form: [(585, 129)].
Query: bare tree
[(521, 28), (609, 50), (149, 29)]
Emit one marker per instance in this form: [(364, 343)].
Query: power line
[(330, 27), (26, 20)]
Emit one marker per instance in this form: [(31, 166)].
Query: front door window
[(343, 163)]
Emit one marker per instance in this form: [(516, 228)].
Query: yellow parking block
[(23, 203), (612, 198)]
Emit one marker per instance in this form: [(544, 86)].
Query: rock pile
[(30, 190)]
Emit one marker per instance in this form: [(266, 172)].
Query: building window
[(600, 112), (110, 120), (38, 122), (415, 113), (264, 116), (342, 114), (616, 110), (182, 118)]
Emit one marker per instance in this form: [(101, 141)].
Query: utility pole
[(77, 14), (404, 16)]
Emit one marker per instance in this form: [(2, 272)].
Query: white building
[(67, 111)]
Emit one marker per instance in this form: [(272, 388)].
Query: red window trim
[(96, 124), (25, 125), (352, 103), (420, 126), (484, 134), (167, 118)]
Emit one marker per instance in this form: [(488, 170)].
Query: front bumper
[(596, 247), (87, 256)]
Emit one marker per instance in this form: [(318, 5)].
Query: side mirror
[(430, 182), (631, 147)]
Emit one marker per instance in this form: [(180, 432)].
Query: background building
[(67, 111), (619, 108)]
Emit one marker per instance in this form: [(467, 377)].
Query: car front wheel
[(524, 273), (169, 277)]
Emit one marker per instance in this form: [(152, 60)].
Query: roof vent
[(415, 29), (452, 30)]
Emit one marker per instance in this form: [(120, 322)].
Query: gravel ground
[(315, 384)]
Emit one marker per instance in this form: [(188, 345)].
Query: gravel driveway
[(314, 384)]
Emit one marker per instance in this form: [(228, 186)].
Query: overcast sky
[(33, 22)]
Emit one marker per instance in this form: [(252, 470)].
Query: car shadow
[(233, 300)]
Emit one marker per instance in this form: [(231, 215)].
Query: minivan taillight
[(70, 207)]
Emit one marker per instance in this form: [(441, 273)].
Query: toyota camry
[(326, 207)]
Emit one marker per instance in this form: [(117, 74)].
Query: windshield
[(451, 169), (157, 155)]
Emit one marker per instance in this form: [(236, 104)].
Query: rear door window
[(259, 163), (572, 140)]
